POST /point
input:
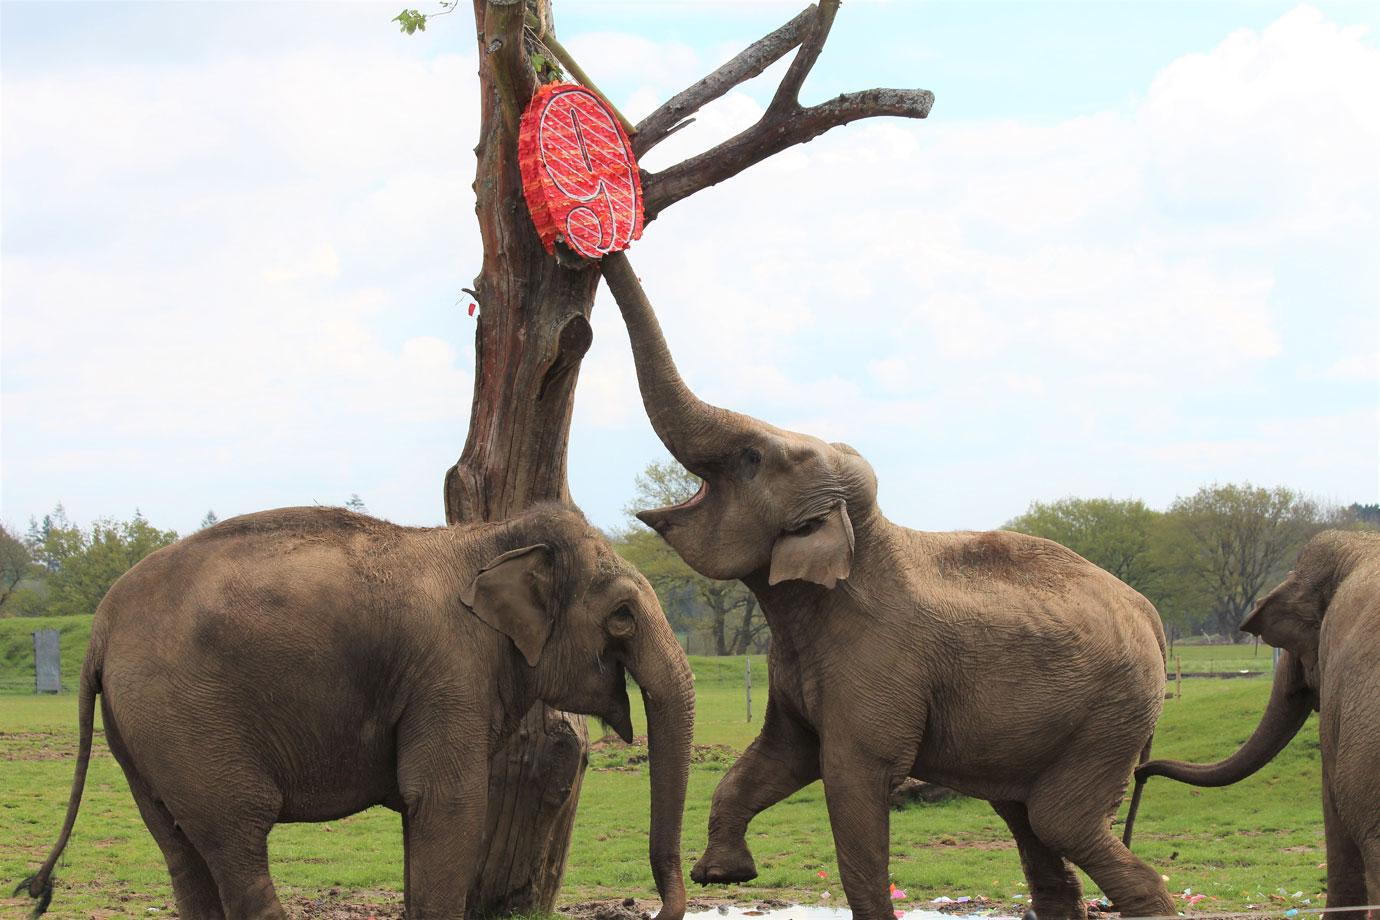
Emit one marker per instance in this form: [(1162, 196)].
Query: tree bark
[(533, 329)]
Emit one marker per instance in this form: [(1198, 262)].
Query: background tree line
[(1204, 561), (58, 569)]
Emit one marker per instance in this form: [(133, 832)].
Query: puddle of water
[(805, 912)]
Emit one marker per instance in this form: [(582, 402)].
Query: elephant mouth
[(664, 519), (693, 500)]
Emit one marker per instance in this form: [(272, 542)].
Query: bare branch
[(768, 137), (787, 96), (747, 64)]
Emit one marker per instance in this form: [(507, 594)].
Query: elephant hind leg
[(195, 889), (1055, 891), (1346, 864), (1071, 818), (232, 837)]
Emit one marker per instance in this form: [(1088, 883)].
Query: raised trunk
[(662, 672), (683, 422), (1291, 700), (532, 330)]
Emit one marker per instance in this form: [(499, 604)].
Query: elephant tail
[(1135, 794), (39, 886)]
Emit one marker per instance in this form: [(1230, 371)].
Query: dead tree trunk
[(533, 330)]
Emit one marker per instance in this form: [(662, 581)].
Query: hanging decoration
[(579, 175)]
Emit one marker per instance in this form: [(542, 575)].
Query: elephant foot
[(723, 864)]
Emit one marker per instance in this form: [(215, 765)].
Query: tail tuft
[(38, 888)]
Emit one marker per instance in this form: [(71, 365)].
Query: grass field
[(1239, 845)]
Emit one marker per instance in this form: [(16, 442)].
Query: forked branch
[(768, 137), (784, 124), (747, 64)]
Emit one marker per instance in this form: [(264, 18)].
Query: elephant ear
[(512, 594), (1278, 620), (821, 552)]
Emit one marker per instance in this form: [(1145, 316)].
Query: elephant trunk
[(692, 430), (1291, 700), (662, 672)]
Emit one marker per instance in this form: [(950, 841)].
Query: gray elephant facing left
[(307, 663)]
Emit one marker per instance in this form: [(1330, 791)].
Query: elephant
[(304, 664), (1325, 617), (1001, 665)]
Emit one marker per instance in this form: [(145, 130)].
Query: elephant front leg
[(856, 787), (444, 784), (783, 759)]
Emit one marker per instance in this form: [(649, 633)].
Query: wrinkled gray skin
[(1002, 665), (1325, 616), (307, 663)]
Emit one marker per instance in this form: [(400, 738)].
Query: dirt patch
[(366, 905), (47, 746), (610, 754)]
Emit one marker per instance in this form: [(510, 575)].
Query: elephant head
[(582, 619), (1290, 618), (770, 500)]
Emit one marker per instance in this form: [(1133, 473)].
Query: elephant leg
[(231, 834), (1071, 811), (856, 789), (443, 775), (1346, 870), (235, 848), (195, 889), (1055, 892), (783, 759)]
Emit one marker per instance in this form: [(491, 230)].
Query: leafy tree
[(1365, 515), (80, 566), (15, 564), (356, 504), (725, 609), (210, 520), (1227, 544), (1117, 535), (54, 539)]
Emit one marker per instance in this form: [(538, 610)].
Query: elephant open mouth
[(663, 519), (695, 499)]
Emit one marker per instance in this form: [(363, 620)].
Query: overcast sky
[(1134, 249)]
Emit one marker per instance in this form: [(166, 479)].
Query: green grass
[(1238, 844)]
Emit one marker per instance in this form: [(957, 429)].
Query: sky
[(1135, 249)]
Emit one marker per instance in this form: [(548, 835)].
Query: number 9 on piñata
[(578, 172)]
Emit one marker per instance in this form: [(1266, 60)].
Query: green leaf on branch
[(410, 21)]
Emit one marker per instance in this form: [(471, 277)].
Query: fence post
[(47, 661), (747, 672), (1178, 678)]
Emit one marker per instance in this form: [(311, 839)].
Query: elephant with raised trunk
[(1325, 617), (998, 664), (307, 663)]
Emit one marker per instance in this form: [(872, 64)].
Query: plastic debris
[(822, 874), (897, 894), (942, 899), (1292, 912), (824, 895), (962, 900)]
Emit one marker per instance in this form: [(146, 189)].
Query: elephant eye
[(621, 624), (749, 462)]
